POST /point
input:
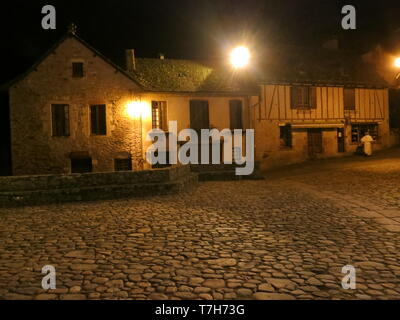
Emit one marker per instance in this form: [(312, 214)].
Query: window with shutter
[(98, 119), (349, 99), (303, 97), (60, 120), (235, 114)]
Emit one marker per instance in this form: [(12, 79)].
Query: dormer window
[(77, 69)]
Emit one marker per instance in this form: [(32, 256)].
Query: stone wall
[(37, 189), (35, 150)]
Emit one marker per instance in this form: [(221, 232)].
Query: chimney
[(130, 60)]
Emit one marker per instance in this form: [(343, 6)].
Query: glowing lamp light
[(136, 109), (240, 57), (397, 62)]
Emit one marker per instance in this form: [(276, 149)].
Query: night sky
[(189, 29)]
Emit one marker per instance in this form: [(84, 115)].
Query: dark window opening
[(394, 108), (349, 96), (60, 120), (123, 164), (359, 130), (303, 97), (286, 136), (159, 115), (98, 119), (81, 165), (77, 69), (235, 114)]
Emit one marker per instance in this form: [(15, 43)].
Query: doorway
[(314, 137), (340, 140)]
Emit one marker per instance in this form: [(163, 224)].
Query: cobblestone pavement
[(287, 237)]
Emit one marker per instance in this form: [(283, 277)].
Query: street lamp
[(397, 62), (240, 57), (397, 65), (137, 110)]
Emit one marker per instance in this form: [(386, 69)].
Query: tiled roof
[(318, 66), (172, 75), (280, 65)]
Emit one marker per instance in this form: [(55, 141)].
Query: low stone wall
[(24, 190), (224, 172)]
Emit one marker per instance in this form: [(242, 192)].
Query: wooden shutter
[(102, 119), (235, 114), (349, 97), (199, 117), (163, 116), (60, 119), (293, 97), (98, 119), (93, 119), (55, 120), (313, 97)]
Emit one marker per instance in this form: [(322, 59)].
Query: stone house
[(76, 111)]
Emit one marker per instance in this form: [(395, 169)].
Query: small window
[(77, 69), (159, 115), (349, 99), (285, 136), (81, 165), (303, 97), (60, 120), (98, 119), (123, 164), (235, 114), (359, 130)]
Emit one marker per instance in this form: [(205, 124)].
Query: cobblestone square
[(286, 237)]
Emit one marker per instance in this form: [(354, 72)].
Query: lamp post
[(135, 110)]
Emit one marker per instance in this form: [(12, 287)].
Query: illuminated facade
[(76, 111)]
